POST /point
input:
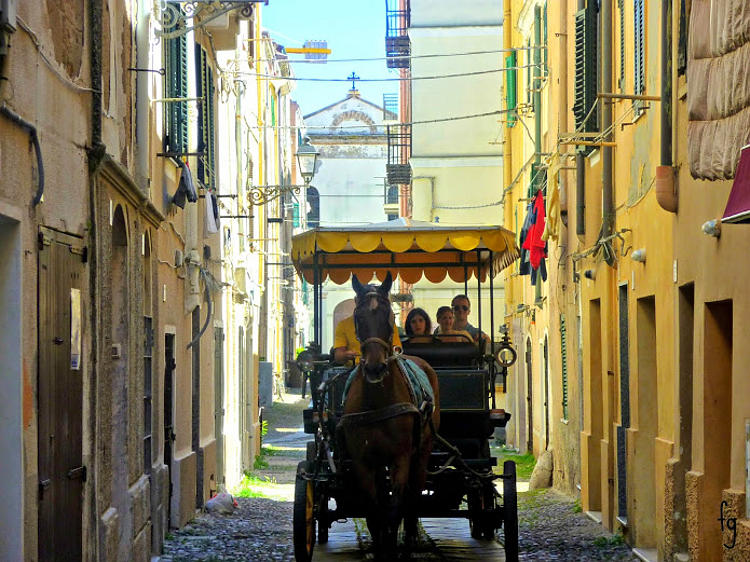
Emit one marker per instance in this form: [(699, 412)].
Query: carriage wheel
[(482, 508), (303, 520), (510, 510)]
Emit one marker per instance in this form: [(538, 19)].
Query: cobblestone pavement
[(260, 529)]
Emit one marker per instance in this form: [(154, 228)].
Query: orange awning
[(407, 248)]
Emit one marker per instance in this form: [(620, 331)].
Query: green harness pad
[(420, 384)]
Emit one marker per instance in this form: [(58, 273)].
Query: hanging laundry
[(534, 244), (524, 267), (186, 187), (212, 213)]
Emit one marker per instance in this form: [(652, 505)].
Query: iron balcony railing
[(397, 48), (398, 170)]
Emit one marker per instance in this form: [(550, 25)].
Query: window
[(586, 75), (206, 117), (682, 42), (564, 362), (313, 202), (175, 87)]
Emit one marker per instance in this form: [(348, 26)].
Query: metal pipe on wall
[(608, 206), (581, 177), (666, 83)]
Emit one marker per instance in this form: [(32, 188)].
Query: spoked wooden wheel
[(303, 520), (510, 511)]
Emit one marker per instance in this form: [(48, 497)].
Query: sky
[(353, 29)]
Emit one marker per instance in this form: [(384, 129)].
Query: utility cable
[(405, 57), (398, 79)]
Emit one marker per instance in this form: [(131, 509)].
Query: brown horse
[(387, 436)]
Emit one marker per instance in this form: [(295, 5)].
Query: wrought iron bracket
[(172, 16), (262, 194)]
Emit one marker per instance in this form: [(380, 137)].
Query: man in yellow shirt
[(345, 344)]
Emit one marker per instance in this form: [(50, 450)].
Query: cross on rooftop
[(354, 79)]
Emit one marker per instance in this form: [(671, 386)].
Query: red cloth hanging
[(534, 243)]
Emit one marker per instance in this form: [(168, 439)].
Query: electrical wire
[(395, 79), (406, 57), (310, 128), (67, 81)]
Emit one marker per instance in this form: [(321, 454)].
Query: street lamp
[(307, 157)]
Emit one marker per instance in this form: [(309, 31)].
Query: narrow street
[(551, 526)]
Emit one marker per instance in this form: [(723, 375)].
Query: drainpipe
[(507, 144), (581, 177), (95, 155), (29, 128), (537, 119), (665, 187), (537, 88), (608, 206), (142, 80), (562, 108)]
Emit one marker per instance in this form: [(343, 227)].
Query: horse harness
[(423, 410)]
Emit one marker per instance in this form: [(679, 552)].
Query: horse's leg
[(367, 478), (417, 478), (399, 491)]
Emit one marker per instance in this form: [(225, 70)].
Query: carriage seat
[(444, 354)]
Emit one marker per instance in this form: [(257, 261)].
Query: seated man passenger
[(461, 310), (345, 344), (446, 329), (418, 326)]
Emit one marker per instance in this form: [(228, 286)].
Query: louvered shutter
[(511, 88), (621, 9), (586, 33), (564, 361), (639, 62), (176, 112), (206, 116)]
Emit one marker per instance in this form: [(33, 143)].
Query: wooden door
[(60, 395)]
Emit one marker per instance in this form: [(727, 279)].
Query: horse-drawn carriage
[(360, 423)]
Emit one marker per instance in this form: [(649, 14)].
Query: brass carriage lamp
[(307, 158)]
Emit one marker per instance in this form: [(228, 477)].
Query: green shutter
[(545, 52), (511, 88), (639, 62), (206, 118), (586, 71), (176, 113), (621, 10), (564, 361)]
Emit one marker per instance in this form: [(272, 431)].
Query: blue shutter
[(621, 9)]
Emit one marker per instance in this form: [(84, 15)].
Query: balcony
[(397, 47), (398, 170)]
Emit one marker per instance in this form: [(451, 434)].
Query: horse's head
[(373, 322)]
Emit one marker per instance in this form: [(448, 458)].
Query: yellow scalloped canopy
[(407, 248)]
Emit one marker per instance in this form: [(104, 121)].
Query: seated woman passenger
[(445, 321), (418, 326)]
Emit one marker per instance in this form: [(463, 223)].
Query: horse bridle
[(386, 345)]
